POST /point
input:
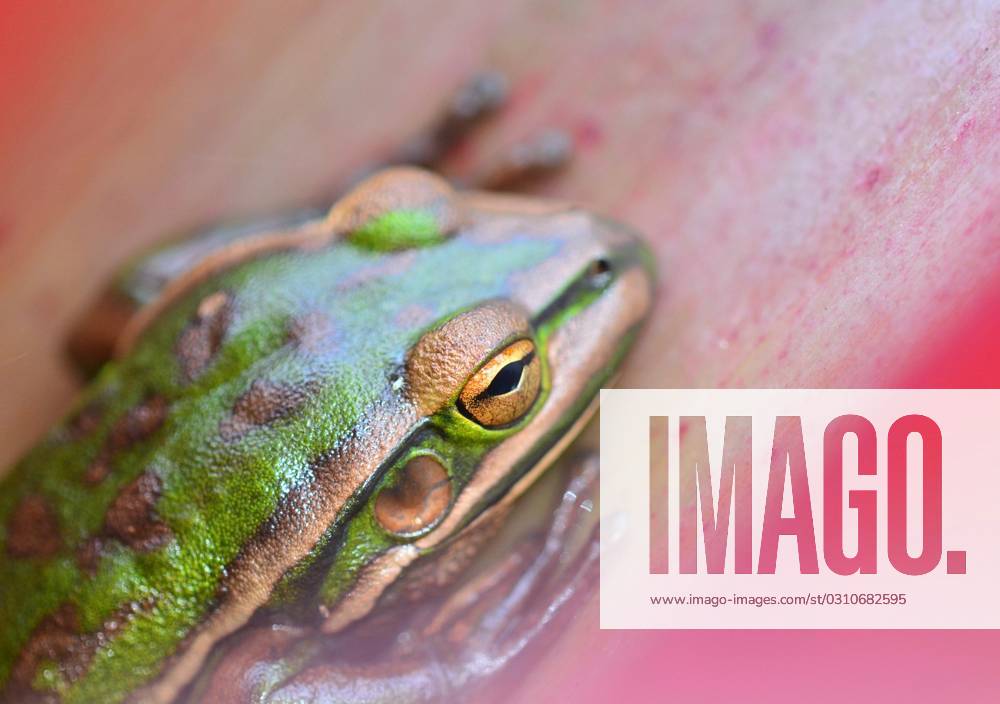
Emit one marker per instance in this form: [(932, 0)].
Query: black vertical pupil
[(507, 378)]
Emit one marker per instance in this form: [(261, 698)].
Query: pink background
[(820, 182)]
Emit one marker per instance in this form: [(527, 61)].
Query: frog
[(285, 421)]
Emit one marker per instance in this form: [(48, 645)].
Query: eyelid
[(445, 358)]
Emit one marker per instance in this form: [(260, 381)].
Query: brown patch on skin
[(132, 518), (442, 360), (201, 339), (312, 331), (32, 529), (98, 470), (88, 555), (137, 424), (57, 638), (399, 188), (263, 403), (86, 421), (308, 236)]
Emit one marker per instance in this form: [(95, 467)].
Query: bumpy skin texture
[(250, 418)]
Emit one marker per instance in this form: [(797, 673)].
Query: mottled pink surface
[(820, 181)]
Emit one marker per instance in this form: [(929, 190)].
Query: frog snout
[(626, 259)]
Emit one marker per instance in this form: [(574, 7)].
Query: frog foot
[(527, 162), (540, 155), (478, 98)]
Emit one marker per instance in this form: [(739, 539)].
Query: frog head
[(522, 311)]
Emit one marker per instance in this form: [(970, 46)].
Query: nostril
[(599, 271)]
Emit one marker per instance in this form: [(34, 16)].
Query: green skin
[(214, 495)]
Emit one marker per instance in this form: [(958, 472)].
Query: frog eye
[(504, 388), (416, 499)]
